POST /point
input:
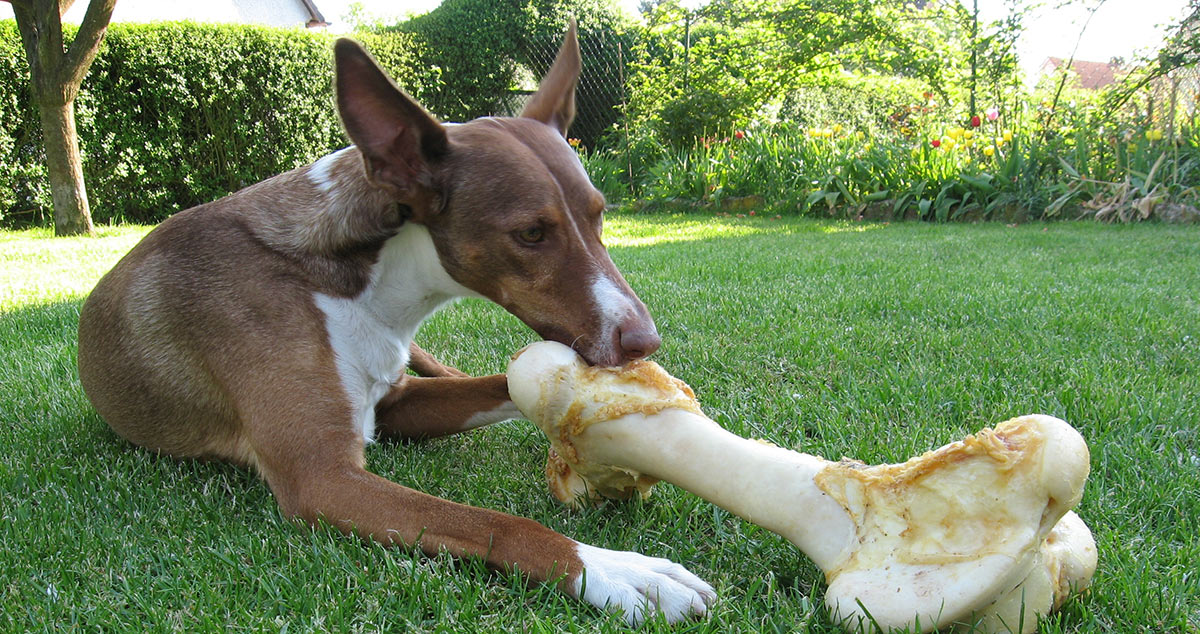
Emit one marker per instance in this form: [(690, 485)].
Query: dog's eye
[(532, 235)]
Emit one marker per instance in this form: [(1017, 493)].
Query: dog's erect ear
[(554, 102), (399, 140)]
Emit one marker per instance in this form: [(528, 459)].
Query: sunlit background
[(1119, 28)]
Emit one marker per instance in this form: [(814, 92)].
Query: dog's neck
[(326, 216), (329, 214), (324, 209)]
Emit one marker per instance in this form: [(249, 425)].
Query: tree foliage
[(1181, 50), (715, 69)]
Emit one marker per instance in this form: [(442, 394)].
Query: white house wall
[(280, 13)]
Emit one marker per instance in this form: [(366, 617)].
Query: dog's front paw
[(640, 586)]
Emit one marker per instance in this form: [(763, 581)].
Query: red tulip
[(975, 121), (936, 143)]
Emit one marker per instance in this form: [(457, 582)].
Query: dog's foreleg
[(316, 473), (426, 364), (419, 407)]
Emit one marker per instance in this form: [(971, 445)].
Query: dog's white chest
[(370, 356), (370, 334)]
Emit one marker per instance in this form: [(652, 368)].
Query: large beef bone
[(977, 534)]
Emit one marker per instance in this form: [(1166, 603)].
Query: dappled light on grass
[(879, 345), (37, 268), (643, 231)]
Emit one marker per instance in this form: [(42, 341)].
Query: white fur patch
[(640, 585), (613, 305), (369, 355), (321, 173), (507, 411), (371, 333)]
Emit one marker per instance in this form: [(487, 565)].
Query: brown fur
[(205, 340)]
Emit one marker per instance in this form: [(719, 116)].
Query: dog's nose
[(639, 342)]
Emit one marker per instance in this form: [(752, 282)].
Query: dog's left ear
[(399, 141), (554, 102)]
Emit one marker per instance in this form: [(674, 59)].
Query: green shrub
[(875, 105), (24, 190), (173, 115), (606, 39), (472, 44), (482, 49)]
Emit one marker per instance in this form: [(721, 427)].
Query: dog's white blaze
[(613, 305), (639, 585), (507, 411), (370, 334), (321, 172)]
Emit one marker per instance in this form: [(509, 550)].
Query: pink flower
[(975, 121), (992, 114)]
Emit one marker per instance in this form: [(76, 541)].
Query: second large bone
[(977, 532)]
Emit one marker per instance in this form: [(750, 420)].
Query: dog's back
[(272, 327)]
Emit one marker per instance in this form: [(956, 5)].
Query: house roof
[(1091, 75)]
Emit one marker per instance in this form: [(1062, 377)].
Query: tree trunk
[(65, 169), (55, 75)]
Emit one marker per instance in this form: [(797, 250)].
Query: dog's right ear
[(399, 141), (554, 102)]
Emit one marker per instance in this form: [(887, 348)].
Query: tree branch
[(41, 34), (29, 33), (87, 41)]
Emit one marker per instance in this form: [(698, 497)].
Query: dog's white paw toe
[(640, 585)]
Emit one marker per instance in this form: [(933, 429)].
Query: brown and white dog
[(272, 328)]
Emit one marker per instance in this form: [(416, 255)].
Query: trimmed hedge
[(173, 115), (23, 185)]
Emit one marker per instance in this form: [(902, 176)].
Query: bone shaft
[(764, 484)]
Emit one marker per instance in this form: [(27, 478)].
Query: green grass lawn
[(871, 341)]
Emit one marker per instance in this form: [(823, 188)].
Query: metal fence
[(601, 96)]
